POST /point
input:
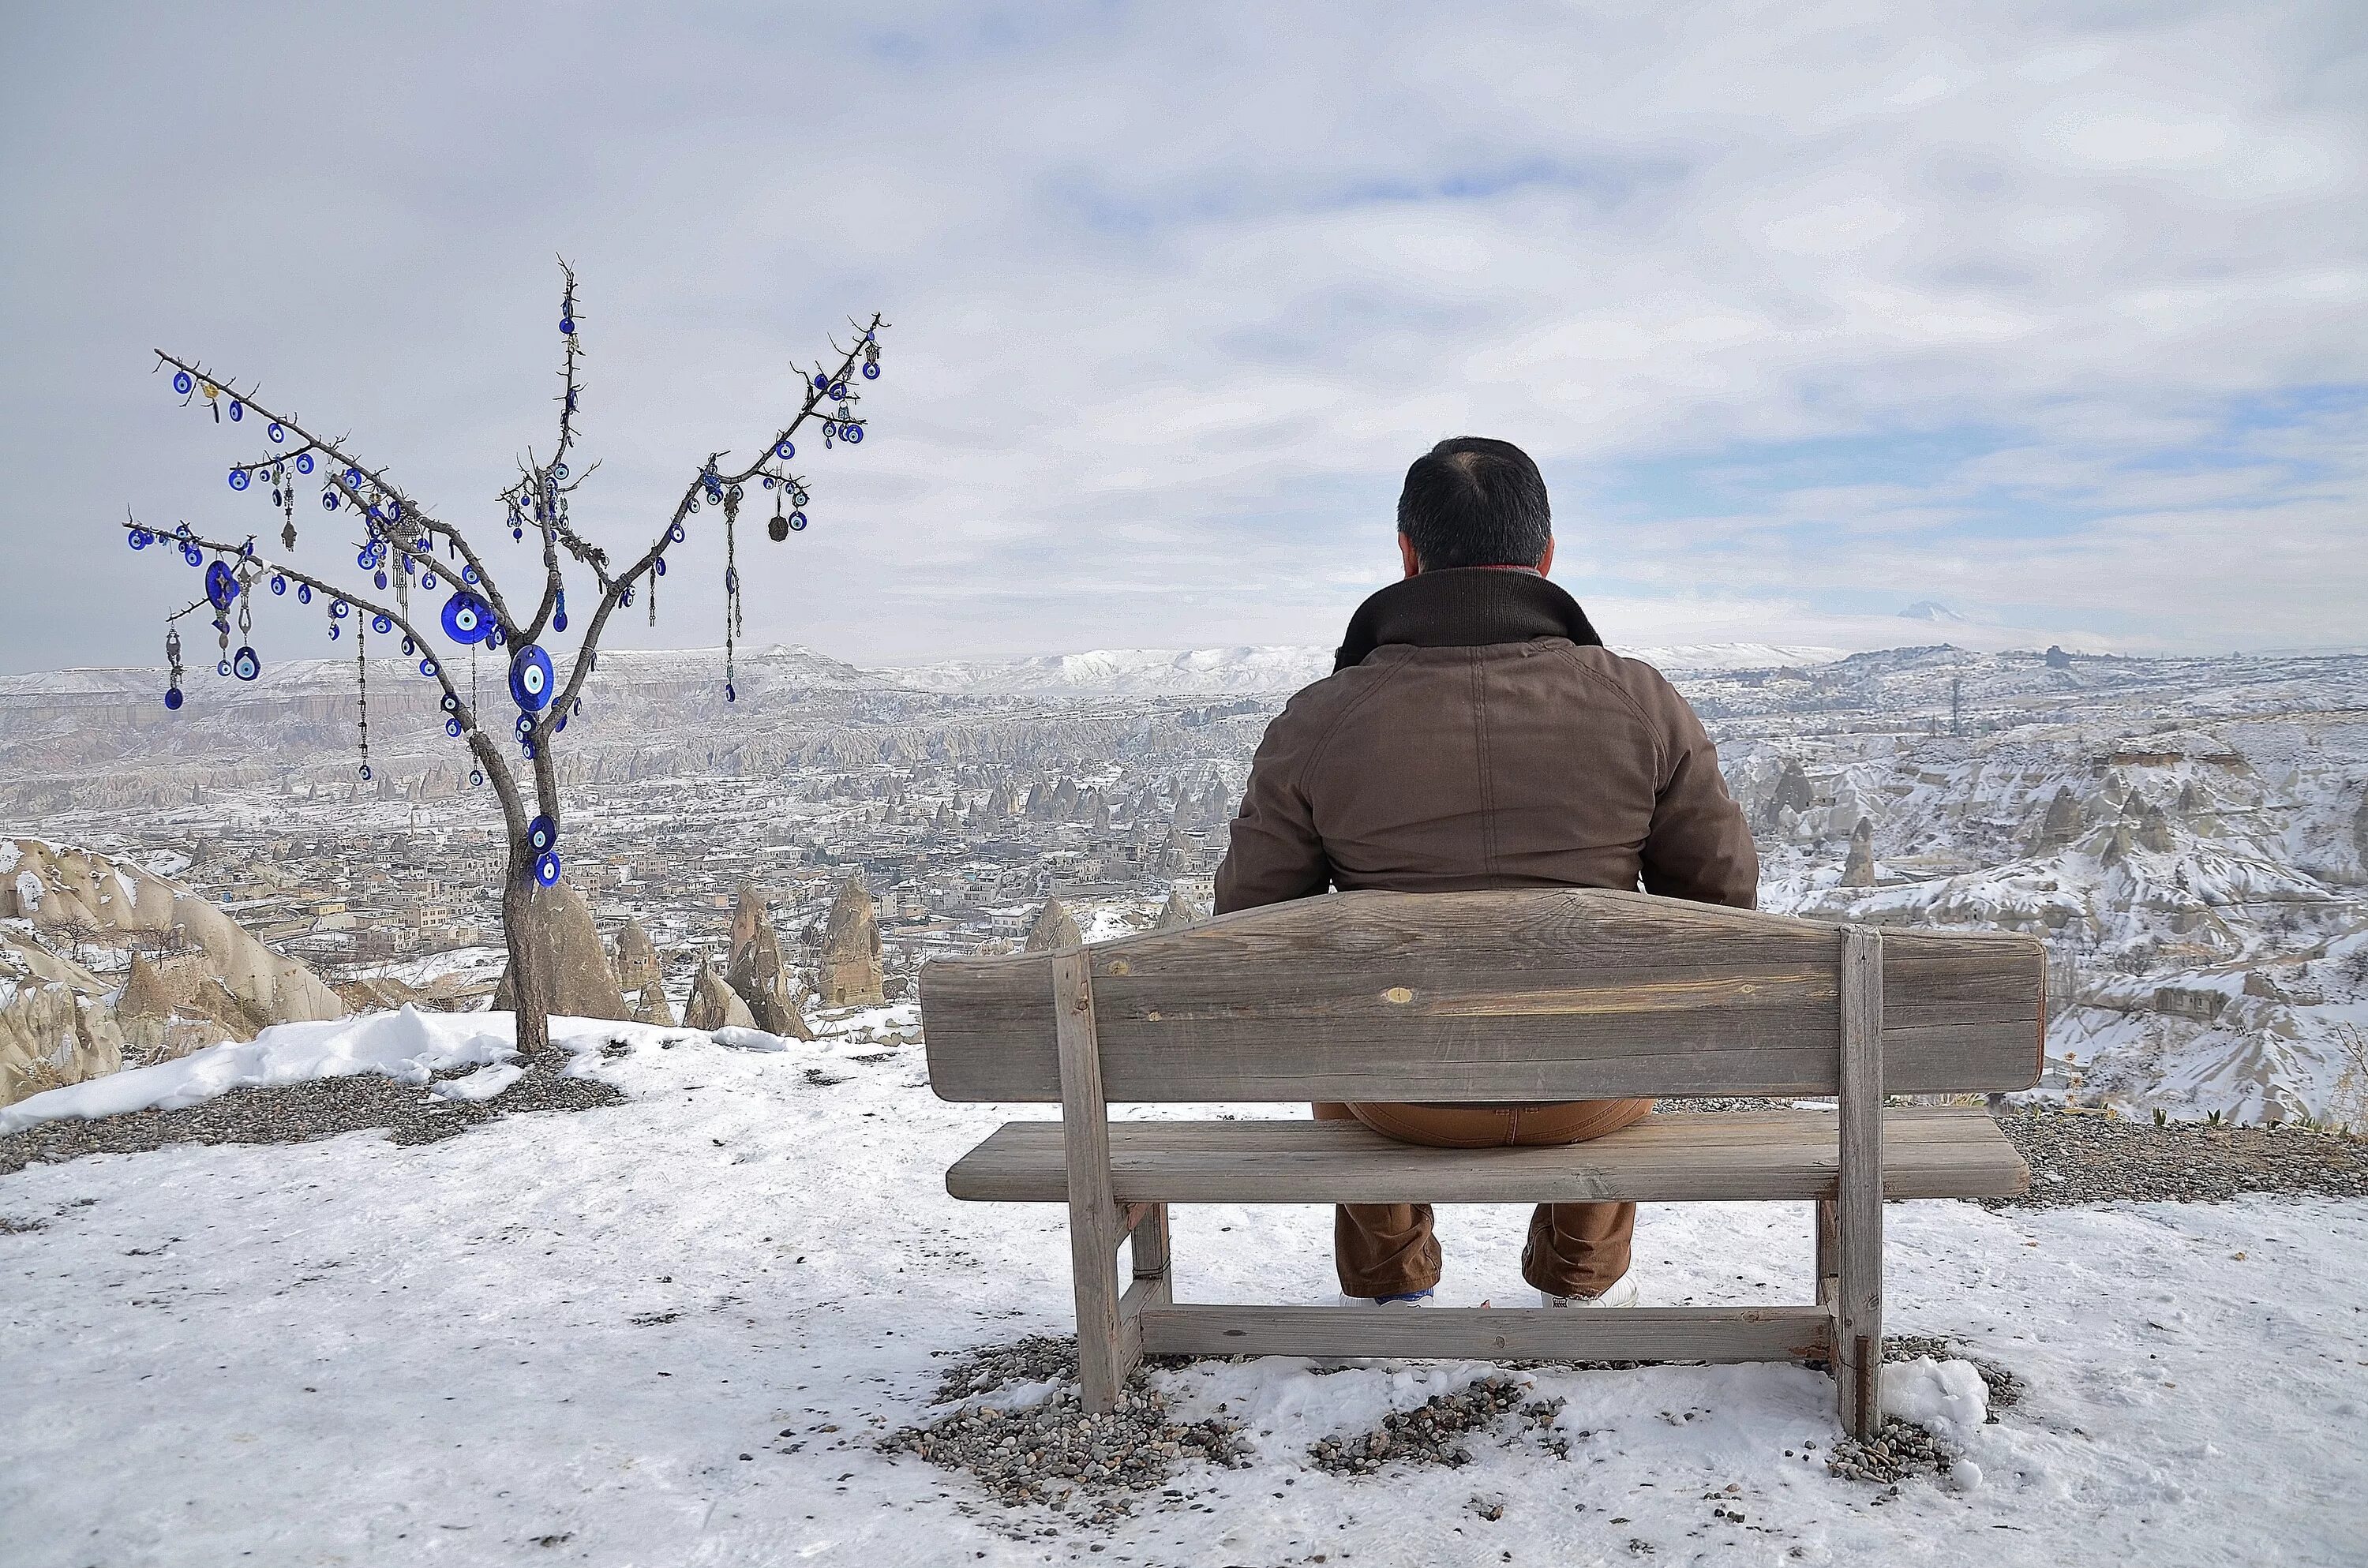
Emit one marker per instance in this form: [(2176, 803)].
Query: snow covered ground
[(580, 1337)]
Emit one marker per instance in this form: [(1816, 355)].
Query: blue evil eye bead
[(675, 533), (221, 584), (469, 575), (279, 585), (872, 372), (530, 679), (190, 553), (561, 725), (541, 833), (328, 500), (559, 618), (173, 693), (333, 632), (730, 693), (238, 480), (626, 597), (426, 579), (409, 648), (452, 728), (274, 432), (182, 385), (820, 380), (450, 703), (661, 566), (245, 665), (339, 608), (303, 462), (798, 521), (525, 750), (223, 668), (567, 326), (426, 666), (364, 557), (546, 868), (476, 776), (525, 725), (303, 593), (378, 578), (237, 410), (784, 451), (353, 477), (768, 482), (851, 434), (366, 773), (139, 538), (559, 470), (828, 430), (732, 579), (838, 389), (381, 625), (466, 618)]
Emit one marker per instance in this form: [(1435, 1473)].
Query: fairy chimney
[(1175, 912), (2063, 824), (1054, 928), (757, 973), (1857, 872), (714, 1005), (850, 950), (652, 1007), (637, 959)]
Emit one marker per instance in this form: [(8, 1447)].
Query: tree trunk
[(530, 977)]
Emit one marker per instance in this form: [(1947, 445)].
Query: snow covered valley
[(675, 1329)]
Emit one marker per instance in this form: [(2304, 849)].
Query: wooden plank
[(1742, 1156), (1858, 1301), (1093, 1211), (1636, 1333), (1828, 1230), (1540, 993)]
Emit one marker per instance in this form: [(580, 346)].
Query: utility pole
[(1956, 709)]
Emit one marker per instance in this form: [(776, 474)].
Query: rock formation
[(714, 1005), (1857, 872), (637, 959), (1054, 928), (2063, 824), (757, 972), (583, 985), (1175, 912), (652, 1006), (850, 973)]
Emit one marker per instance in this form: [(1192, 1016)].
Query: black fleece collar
[(1464, 606)]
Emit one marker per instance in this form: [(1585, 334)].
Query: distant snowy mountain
[(1128, 671), (1935, 611)]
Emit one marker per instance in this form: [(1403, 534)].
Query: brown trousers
[(1575, 1249)]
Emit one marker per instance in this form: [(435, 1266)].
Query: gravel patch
[(1899, 1450), (1056, 1455), (1433, 1432), (2079, 1159), (298, 1113)]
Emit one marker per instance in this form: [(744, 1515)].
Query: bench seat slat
[(1929, 1152)]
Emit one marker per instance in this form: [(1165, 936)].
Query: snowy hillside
[(676, 1329)]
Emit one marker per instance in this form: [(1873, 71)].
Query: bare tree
[(406, 547)]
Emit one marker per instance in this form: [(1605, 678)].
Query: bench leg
[(1857, 1206), (1094, 1220), (1829, 1274)]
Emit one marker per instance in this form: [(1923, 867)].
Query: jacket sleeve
[(1276, 854), (1699, 846)]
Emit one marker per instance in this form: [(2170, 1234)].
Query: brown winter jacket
[(1474, 734)]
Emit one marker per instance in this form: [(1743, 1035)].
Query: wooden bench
[(1493, 996)]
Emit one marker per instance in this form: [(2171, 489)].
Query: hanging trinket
[(530, 679), (361, 691), (173, 659), (731, 593)]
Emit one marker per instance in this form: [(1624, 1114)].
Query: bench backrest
[(1536, 994)]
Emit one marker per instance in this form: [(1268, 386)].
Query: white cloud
[(1178, 292)]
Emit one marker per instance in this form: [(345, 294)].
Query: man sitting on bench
[(1475, 733)]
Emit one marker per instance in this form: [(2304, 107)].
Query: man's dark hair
[(1475, 501)]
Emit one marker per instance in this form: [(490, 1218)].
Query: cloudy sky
[(2056, 315)]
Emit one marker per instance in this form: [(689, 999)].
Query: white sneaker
[(1621, 1292), (1413, 1299)]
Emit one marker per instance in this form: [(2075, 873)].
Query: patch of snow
[(1947, 1398), (482, 1085), (741, 1039), (407, 1045)]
